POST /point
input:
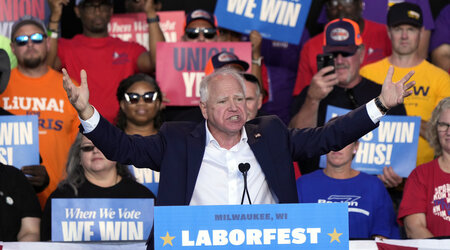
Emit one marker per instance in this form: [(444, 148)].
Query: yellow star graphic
[(167, 239), (335, 236)]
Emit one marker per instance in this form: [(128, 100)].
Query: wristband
[(257, 61), (380, 105), (153, 19), (52, 34)]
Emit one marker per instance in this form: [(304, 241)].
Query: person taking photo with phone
[(344, 88)]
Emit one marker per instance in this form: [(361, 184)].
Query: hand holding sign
[(392, 93), (37, 176), (390, 178)]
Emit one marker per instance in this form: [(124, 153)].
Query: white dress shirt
[(219, 180)]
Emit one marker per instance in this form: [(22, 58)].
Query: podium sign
[(19, 140), (279, 226), (101, 219)]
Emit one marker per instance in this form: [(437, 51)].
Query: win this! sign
[(101, 219), (392, 144), (19, 140), (279, 226)]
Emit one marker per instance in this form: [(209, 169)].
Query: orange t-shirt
[(58, 121)]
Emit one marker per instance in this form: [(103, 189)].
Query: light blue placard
[(393, 143), (278, 226), (281, 20), (147, 177), (19, 140), (101, 219)]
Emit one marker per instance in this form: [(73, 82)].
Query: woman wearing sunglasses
[(140, 101), (91, 175)]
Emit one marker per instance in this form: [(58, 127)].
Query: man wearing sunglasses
[(344, 88), (34, 89), (110, 58), (200, 27)]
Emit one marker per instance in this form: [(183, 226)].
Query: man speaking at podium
[(199, 163)]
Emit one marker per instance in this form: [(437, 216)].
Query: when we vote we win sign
[(101, 219)]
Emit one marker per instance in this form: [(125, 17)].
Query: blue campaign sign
[(393, 143), (19, 140), (147, 177), (101, 219), (281, 20), (277, 226)]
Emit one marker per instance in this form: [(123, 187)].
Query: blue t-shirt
[(370, 209)]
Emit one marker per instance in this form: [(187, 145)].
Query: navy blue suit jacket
[(177, 150)]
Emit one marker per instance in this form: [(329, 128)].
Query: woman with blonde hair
[(424, 207)]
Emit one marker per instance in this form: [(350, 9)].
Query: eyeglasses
[(90, 8), (193, 33), (335, 3), (442, 126), (87, 148), (35, 38), (148, 97)]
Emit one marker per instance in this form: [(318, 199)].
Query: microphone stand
[(244, 167)]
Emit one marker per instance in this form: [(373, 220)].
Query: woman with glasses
[(91, 175), (425, 208), (140, 101)]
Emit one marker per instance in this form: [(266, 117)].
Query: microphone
[(244, 167)]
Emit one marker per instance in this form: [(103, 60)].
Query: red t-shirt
[(375, 39), (427, 191), (107, 61)]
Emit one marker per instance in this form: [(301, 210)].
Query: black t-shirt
[(359, 95), (126, 188), (17, 200)]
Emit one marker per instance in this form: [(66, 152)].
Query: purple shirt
[(441, 33), (281, 60)]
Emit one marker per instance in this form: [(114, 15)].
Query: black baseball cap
[(200, 14), (405, 13)]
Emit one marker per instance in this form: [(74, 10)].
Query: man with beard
[(110, 59), (345, 88), (35, 89)]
